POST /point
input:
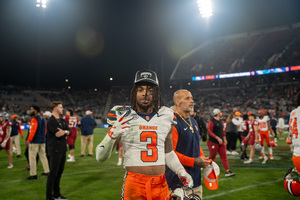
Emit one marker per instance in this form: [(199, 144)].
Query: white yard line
[(239, 189)]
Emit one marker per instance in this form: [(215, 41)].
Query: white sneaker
[(10, 166), (119, 163), (266, 159), (261, 158), (69, 155), (234, 153), (228, 152), (271, 158), (248, 161), (71, 159)]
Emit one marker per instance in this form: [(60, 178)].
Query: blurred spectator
[(37, 142), (280, 127), (14, 135), (231, 135), (88, 124)]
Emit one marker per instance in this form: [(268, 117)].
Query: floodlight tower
[(40, 14), (205, 8)]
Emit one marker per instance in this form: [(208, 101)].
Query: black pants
[(274, 130), (231, 139), (57, 165)]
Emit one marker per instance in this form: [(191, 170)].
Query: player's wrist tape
[(103, 150), (173, 162)]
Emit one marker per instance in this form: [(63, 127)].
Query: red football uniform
[(72, 122), (3, 126), (252, 132)]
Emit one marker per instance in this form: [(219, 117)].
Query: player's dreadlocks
[(155, 92)]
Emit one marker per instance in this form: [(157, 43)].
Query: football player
[(264, 129), (72, 121), (5, 128), (252, 137), (294, 129), (145, 132)]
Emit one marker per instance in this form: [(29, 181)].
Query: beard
[(32, 114)]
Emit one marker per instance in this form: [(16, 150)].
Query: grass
[(87, 179)]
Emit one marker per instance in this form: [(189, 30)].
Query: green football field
[(87, 179)]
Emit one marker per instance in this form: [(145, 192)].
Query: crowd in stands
[(276, 98), (272, 48)]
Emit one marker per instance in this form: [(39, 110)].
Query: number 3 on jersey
[(293, 127), (145, 156)]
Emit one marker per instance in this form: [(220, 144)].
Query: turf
[(89, 180)]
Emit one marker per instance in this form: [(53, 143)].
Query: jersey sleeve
[(33, 128)]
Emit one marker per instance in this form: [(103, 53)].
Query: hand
[(185, 178), (60, 132), (3, 144), (120, 126), (219, 140), (202, 161)]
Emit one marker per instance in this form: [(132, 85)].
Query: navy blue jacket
[(87, 125)]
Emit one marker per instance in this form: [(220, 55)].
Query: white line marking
[(242, 188)]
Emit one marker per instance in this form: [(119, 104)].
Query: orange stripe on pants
[(296, 161)]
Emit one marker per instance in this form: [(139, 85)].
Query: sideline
[(64, 174)]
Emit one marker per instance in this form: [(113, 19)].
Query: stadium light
[(111, 79), (41, 3), (205, 8)]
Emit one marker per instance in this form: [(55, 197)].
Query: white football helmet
[(257, 147)]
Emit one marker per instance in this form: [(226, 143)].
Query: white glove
[(3, 144), (178, 193), (185, 178), (120, 126)]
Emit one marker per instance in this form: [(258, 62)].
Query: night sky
[(89, 41)]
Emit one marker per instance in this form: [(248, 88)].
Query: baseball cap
[(237, 113), (261, 112), (47, 113), (216, 111), (88, 112), (249, 113), (211, 175), (14, 116), (146, 76)]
